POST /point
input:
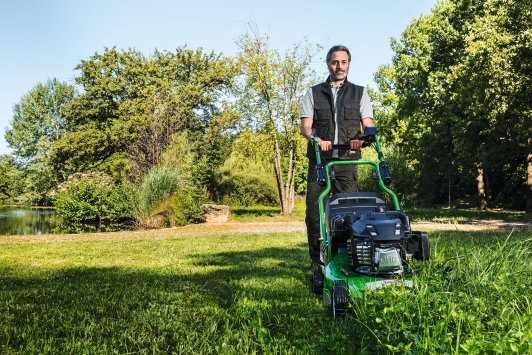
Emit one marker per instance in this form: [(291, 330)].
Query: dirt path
[(239, 227), (470, 225), (165, 233)]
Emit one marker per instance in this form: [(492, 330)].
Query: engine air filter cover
[(388, 259)]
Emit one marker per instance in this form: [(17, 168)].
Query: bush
[(92, 196), (178, 210), (246, 190), (158, 185), (166, 200)]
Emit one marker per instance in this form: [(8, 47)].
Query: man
[(336, 109)]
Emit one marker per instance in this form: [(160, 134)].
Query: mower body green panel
[(357, 283)]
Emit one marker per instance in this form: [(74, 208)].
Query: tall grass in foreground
[(248, 294), (473, 297)]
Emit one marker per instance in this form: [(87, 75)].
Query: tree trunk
[(279, 176), (529, 181), (292, 188), (488, 189), (482, 205), (290, 178)]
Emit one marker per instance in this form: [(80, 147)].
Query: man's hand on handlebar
[(325, 146), (356, 144)]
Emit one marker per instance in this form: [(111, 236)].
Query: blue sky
[(41, 39)]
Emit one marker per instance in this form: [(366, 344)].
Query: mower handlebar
[(368, 137)]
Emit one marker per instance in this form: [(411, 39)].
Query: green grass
[(482, 306), (271, 213), (267, 213), (457, 215), (248, 294)]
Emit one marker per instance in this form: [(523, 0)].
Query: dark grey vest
[(349, 117)]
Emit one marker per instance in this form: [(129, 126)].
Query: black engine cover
[(379, 226)]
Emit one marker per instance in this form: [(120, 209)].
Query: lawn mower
[(364, 243)]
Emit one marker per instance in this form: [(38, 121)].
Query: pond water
[(19, 220)]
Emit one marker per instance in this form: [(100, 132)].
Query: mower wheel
[(340, 298), (425, 246), (316, 283)]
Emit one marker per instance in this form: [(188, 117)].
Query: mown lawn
[(248, 293)]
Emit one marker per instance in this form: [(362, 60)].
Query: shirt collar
[(332, 86)]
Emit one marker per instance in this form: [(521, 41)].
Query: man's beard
[(338, 76)]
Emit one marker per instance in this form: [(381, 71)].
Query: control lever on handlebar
[(313, 138), (368, 136), (385, 173)]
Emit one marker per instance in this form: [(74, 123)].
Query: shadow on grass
[(243, 299), (255, 211)]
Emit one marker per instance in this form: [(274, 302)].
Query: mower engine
[(381, 244)]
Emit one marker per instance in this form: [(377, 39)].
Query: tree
[(11, 182), (459, 86), (269, 102), (39, 121), (412, 109), (494, 78), (131, 104)]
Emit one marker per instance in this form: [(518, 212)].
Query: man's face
[(338, 66)]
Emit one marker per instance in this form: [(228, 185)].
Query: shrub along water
[(93, 196), (168, 198)]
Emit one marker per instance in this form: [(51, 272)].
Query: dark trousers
[(345, 181)]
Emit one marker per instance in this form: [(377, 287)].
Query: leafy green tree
[(39, 121), (4, 179), (132, 104), (11, 182), (456, 97), (413, 110), (269, 103), (493, 85)]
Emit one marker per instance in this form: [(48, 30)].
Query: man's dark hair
[(337, 48)]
